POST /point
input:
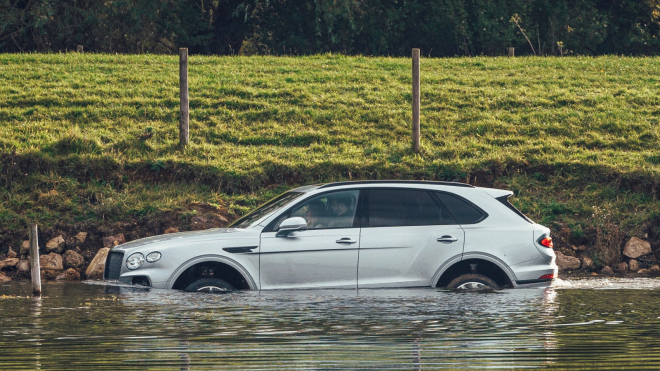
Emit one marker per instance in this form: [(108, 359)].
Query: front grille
[(113, 265)]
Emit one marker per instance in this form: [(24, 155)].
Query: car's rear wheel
[(472, 281), (209, 285)]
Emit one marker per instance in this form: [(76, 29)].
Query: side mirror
[(290, 225)]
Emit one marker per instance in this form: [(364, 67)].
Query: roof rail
[(429, 182)]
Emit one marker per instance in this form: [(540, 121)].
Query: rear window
[(505, 201), (398, 207), (463, 211)]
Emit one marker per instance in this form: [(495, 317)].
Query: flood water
[(591, 324)]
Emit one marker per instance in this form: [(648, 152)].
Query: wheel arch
[(213, 259), (487, 265)]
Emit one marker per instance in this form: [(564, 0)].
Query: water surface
[(591, 324)]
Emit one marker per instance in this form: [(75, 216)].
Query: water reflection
[(80, 326)]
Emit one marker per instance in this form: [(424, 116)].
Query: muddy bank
[(608, 252), (68, 252)]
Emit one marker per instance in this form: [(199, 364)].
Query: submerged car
[(363, 234)]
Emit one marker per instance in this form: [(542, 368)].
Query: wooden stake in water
[(415, 98), (183, 95), (34, 260)]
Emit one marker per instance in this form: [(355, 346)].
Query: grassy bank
[(92, 139)]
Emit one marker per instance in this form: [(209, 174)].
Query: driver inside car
[(342, 212), (314, 215)]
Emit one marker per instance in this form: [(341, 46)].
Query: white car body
[(504, 244)]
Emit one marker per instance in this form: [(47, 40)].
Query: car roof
[(395, 182), (313, 187)]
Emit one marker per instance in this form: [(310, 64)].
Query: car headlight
[(135, 261), (153, 256)]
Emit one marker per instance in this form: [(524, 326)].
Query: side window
[(329, 210), (461, 210), (401, 207)]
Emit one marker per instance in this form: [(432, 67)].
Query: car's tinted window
[(461, 210), (329, 210), (401, 207)]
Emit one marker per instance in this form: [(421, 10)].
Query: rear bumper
[(528, 284), (529, 274)]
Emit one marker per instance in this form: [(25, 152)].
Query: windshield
[(265, 209)]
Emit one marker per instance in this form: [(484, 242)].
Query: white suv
[(365, 234)]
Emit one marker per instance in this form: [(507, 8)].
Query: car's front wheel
[(209, 285), (472, 281)]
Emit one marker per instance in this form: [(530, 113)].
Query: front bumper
[(113, 270)]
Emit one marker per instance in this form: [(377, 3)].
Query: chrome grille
[(113, 265)]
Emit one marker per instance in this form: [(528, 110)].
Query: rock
[(69, 275), (95, 269), (621, 267), (115, 240), (50, 274), (655, 269), (587, 263), (56, 244), (81, 237), (594, 274), (172, 230), (73, 259), (25, 248), (567, 262), (23, 268), (8, 263), (52, 261), (607, 271), (644, 271), (581, 248), (636, 247), (4, 278), (11, 253), (633, 265)]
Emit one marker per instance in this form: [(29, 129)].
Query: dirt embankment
[(67, 252)]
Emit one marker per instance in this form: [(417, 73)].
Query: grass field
[(93, 139)]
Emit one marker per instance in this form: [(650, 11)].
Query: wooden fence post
[(79, 48), (512, 51), (415, 98), (183, 96), (34, 260)]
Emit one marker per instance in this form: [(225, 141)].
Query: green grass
[(576, 138)]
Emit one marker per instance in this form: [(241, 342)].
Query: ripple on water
[(588, 324)]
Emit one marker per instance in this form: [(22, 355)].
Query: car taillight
[(547, 276), (547, 242)]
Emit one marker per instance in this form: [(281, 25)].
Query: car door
[(407, 234), (323, 256)]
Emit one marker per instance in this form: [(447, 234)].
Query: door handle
[(346, 241), (447, 239)]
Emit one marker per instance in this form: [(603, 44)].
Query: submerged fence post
[(415, 98), (183, 96), (34, 260)]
